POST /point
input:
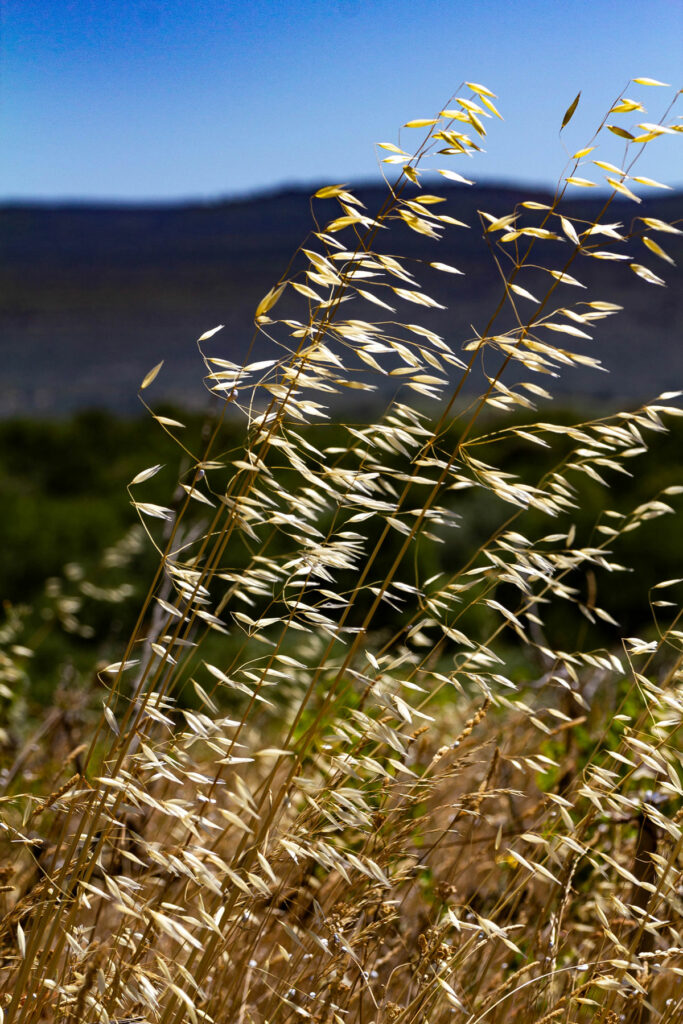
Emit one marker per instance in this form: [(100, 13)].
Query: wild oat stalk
[(319, 790)]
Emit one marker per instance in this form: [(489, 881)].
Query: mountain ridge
[(92, 295)]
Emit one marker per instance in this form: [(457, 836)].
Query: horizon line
[(281, 188)]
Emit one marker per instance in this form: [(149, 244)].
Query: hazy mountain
[(92, 296)]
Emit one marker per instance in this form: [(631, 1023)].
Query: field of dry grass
[(308, 790)]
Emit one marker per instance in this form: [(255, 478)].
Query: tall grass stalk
[(336, 778)]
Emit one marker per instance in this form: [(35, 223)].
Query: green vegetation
[(66, 506), (373, 745)]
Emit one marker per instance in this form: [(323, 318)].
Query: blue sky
[(173, 99)]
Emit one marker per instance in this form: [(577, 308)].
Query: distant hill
[(92, 296)]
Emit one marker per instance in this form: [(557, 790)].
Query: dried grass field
[(373, 746)]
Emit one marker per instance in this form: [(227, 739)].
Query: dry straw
[(322, 792)]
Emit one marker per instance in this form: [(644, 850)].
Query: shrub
[(318, 791)]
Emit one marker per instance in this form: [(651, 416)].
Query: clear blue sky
[(170, 99)]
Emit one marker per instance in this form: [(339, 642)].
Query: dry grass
[(319, 794)]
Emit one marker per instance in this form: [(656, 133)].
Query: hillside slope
[(92, 296)]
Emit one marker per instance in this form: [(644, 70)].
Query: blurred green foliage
[(64, 492), (64, 501)]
